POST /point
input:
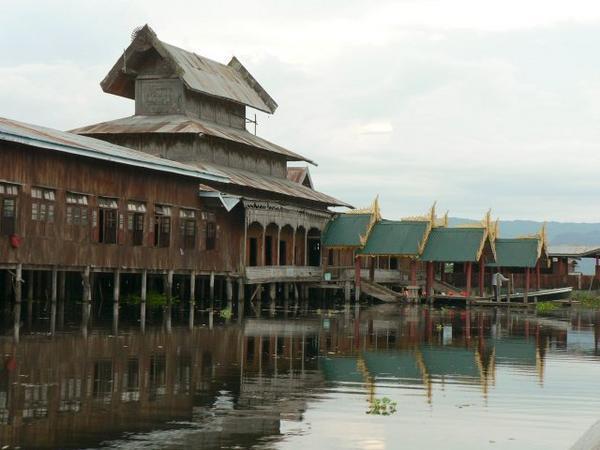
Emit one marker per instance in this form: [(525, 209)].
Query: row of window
[(106, 217)]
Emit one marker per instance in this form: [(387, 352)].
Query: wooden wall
[(59, 244)]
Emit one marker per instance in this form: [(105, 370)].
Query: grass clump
[(382, 407), (587, 299), (546, 307)]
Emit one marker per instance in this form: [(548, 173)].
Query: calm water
[(298, 377)]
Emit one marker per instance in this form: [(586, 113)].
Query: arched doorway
[(314, 247), (254, 245)]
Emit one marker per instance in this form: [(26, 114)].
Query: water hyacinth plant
[(382, 407)]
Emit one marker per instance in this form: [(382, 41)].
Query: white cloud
[(474, 104)]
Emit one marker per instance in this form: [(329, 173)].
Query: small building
[(454, 252), (517, 258)]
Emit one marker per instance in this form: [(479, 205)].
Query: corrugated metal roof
[(178, 123), (574, 251), (42, 137), (516, 252), (276, 185), (345, 230), (453, 244), (232, 82), (392, 237)]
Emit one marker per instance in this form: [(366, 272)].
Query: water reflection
[(295, 376)]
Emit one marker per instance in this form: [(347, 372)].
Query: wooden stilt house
[(452, 253)]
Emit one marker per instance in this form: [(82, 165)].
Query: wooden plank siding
[(60, 244)]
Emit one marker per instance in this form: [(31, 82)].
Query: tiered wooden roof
[(351, 230), (522, 252)]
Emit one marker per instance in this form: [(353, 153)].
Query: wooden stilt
[(62, 285), (30, 286), (538, 276), (429, 280), (229, 289), (193, 286), (347, 293), (469, 267), (482, 277), (169, 287), (272, 291), (356, 278), (241, 287), (371, 269), (144, 289), (527, 281)]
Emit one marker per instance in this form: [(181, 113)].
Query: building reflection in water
[(226, 378)]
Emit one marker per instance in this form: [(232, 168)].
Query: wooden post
[(277, 247), (62, 285), (429, 280), (240, 294), (30, 285), (469, 274), (263, 253), (54, 285), (286, 291), (211, 286), (306, 246), (272, 291), (482, 277), (117, 285), (413, 272), (229, 289), (538, 276), (527, 276), (371, 269), (294, 247), (356, 278)]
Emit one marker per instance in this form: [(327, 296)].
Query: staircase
[(448, 288), (380, 292)]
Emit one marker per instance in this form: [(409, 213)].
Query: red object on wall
[(15, 240)]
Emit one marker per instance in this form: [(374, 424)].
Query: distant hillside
[(559, 233)]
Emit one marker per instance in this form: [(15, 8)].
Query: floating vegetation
[(382, 407), (587, 299), (546, 307), (153, 299), (226, 313)]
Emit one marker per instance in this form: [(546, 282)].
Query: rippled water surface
[(298, 376)]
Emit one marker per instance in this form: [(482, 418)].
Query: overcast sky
[(472, 103)]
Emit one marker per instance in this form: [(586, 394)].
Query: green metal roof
[(390, 237), (345, 230), (517, 252), (453, 244)]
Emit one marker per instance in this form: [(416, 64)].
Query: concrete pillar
[(212, 286), (144, 290), (87, 285), (169, 286), (18, 283), (347, 289), (116, 285), (193, 286), (54, 297)]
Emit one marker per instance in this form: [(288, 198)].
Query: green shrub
[(546, 307), (587, 299)]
